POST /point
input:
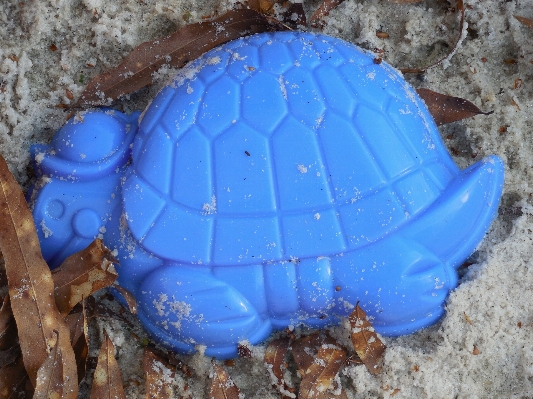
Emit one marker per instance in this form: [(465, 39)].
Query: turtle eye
[(55, 209)]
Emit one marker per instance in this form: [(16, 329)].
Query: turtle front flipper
[(185, 306)]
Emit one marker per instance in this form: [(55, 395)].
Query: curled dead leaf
[(303, 348), (82, 274), (320, 375), (107, 380), (276, 364), (222, 386), (306, 352), (31, 287), (77, 323), (52, 378), (447, 109), (159, 376), (175, 50), (365, 341)]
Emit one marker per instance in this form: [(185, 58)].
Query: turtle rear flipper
[(455, 223), (186, 306)]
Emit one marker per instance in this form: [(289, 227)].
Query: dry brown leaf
[(525, 21), (13, 380), (31, 287), (447, 109), (304, 349), (222, 386), (461, 8), (176, 50), (128, 297), (8, 327), (77, 323), (82, 274), (107, 380), (323, 11), (159, 376), (365, 341), (52, 377), (275, 364), (320, 374)]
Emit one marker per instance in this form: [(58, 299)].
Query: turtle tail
[(454, 225)]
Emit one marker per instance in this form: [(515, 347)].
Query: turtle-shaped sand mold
[(277, 181)]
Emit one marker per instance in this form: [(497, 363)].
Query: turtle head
[(79, 180), (90, 145)]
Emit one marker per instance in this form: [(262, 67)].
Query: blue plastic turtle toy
[(276, 181)]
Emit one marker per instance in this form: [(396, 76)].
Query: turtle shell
[(279, 146)]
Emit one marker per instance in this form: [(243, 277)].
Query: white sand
[(495, 293)]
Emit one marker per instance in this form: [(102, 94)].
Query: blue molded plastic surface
[(279, 180)]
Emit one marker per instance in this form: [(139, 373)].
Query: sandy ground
[(493, 68)]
